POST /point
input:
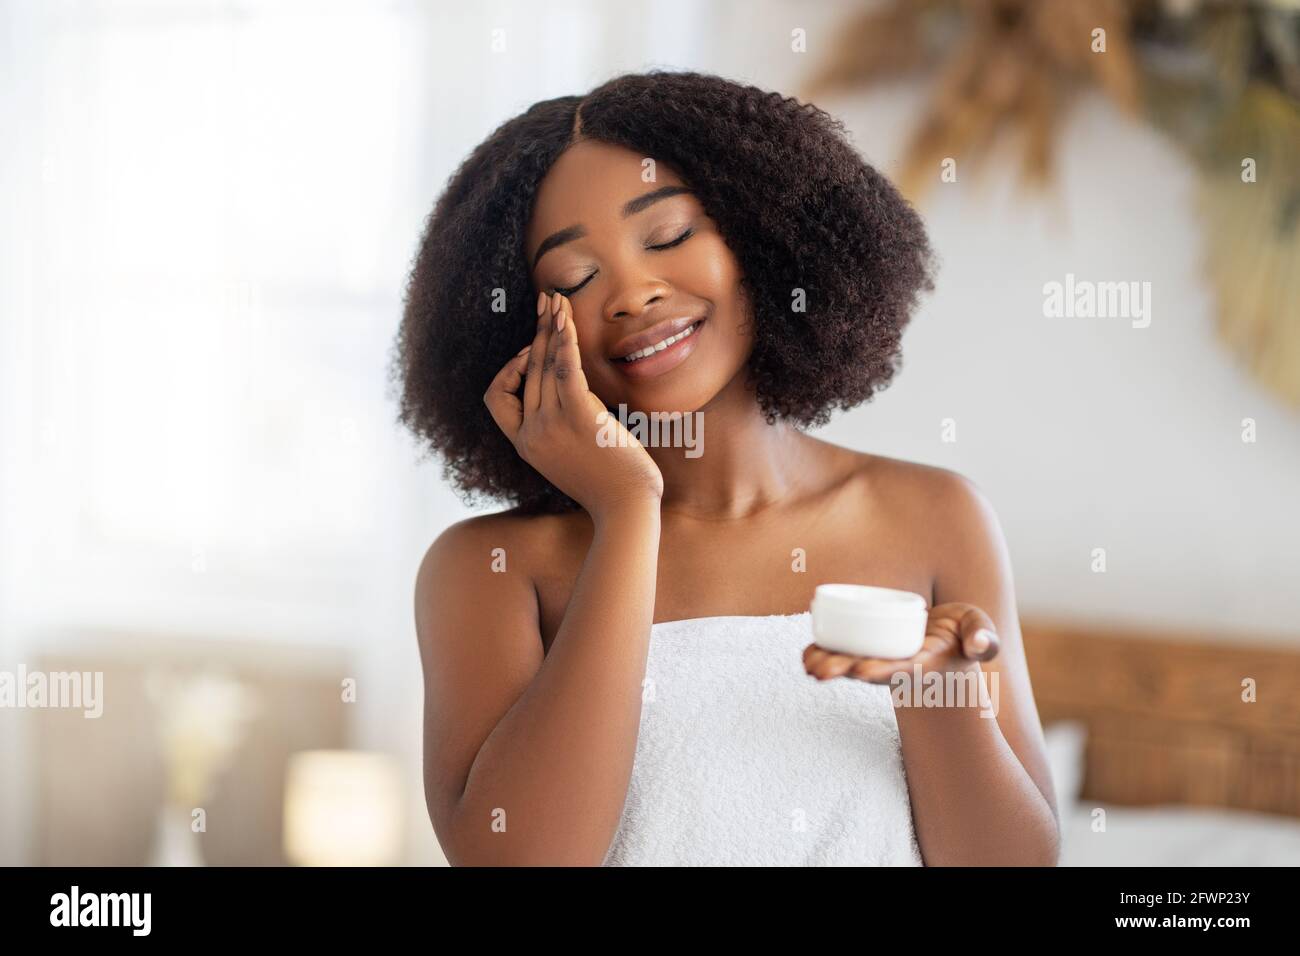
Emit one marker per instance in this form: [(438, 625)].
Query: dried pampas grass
[(1222, 78)]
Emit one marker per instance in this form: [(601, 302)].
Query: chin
[(665, 396)]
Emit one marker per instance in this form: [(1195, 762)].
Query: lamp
[(342, 808)]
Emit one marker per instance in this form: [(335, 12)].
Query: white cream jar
[(868, 621)]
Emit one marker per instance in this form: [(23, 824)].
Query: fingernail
[(541, 303), (981, 640), (555, 302), (524, 349), (559, 321)]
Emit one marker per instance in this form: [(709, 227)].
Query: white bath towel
[(743, 759)]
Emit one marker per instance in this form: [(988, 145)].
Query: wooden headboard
[(1167, 723)]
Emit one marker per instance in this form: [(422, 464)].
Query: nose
[(634, 297)]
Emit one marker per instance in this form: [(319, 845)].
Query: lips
[(662, 361), (652, 336)]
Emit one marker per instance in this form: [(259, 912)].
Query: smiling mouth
[(662, 346)]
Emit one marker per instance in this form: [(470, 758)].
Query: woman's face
[(632, 256)]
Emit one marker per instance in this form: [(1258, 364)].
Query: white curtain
[(209, 212)]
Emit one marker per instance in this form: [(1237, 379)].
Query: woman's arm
[(528, 754), (528, 757), (980, 787)]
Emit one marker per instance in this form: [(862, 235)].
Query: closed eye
[(665, 245), (572, 289), (676, 242)]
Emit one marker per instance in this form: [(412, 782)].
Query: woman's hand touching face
[(563, 430)]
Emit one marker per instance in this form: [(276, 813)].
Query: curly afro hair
[(795, 202)]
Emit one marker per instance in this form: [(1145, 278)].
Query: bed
[(1169, 748)]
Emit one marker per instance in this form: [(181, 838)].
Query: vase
[(175, 843)]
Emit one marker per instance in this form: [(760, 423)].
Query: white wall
[(1088, 432)]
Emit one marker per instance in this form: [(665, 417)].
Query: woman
[(617, 667)]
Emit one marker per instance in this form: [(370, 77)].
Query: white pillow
[(1066, 744)]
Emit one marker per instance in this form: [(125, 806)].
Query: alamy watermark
[(82, 690), (129, 910), (1098, 300), (963, 688), (653, 430)]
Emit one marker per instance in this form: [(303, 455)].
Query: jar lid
[(869, 601)]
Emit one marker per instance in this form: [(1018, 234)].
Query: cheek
[(713, 271), (718, 278)]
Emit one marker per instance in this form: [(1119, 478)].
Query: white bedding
[(1179, 836), (1162, 835)]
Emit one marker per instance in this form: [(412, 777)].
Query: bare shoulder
[(945, 513), (487, 557), (961, 530), (473, 537), (924, 493), (520, 535)]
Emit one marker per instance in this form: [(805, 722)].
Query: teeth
[(659, 346)]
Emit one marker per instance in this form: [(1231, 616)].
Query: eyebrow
[(630, 208)]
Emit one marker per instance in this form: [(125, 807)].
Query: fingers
[(979, 638), (532, 400), (550, 396), (825, 665), (966, 628), (953, 629), (502, 397), (950, 627), (570, 381)]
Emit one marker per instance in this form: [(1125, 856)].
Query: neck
[(746, 464)]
